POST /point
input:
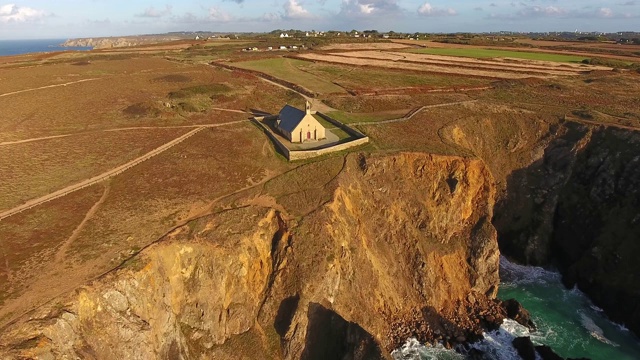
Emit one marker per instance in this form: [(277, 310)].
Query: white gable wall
[(308, 125)]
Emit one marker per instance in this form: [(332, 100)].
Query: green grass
[(352, 77), (291, 70), (341, 134), (494, 53), (323, 122)]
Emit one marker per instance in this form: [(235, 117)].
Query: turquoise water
[(17, 47), (566, 321)]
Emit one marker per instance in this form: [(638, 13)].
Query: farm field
[(433, 64), (291, 70), (323, 77), (495, 53)]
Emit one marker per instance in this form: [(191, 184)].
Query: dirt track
[(108, 174)]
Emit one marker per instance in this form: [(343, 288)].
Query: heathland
[(470, 147)]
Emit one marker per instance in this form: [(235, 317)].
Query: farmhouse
[(299, 126)]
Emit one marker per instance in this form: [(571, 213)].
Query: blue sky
[(90, 18)]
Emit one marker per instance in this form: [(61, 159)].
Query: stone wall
[(292, 155)]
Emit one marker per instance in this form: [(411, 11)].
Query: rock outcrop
[(401, 235), (568, 197), (597, 225)]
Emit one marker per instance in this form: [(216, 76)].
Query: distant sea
[(17, 47)]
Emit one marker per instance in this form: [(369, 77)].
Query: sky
[(57, 19)]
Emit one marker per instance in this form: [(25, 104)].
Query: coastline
[(35, 46)]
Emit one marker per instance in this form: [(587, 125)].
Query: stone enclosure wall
[(291, 155)]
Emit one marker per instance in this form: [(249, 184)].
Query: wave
[(513, 273), (495, 345), (594, 330)]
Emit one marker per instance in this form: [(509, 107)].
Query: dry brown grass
[(29, 240), (99, 104), (38, 168)]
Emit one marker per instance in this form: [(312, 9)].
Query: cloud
[(293, 10), (369, 7), (428, 10), (535, 12), (628, 3), (605, 12), (15, 13), (152, 12), (218, 15), (235, 1)]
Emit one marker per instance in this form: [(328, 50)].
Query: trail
[(59, 257), (108, 174), (412, 114), (15, 142), (47, 87)]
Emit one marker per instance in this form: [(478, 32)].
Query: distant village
[(623, 38)]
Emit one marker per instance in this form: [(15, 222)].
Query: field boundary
[(282, 82)]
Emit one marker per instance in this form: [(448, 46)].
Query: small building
[(282, 47), (299, 126)]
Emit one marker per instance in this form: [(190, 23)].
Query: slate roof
[(290, 117)]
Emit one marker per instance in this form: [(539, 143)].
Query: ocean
[(18, 47), (566, 321)]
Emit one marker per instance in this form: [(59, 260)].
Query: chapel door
[(308, 135)]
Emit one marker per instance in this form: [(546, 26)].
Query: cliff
[(597, 224), (113, 42), (568, 197), (403, 245)]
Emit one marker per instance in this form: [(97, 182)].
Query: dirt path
[(14, 142), (46, 87), (59, 257), (108, 174), (412, 114)]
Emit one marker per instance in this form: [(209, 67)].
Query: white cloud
[(152, 12), (15, 13), (605, 12), (215, 14), (428, 10), (293, 10), (369, 7)]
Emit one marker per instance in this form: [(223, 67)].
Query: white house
[(299, 126), (284, 35)]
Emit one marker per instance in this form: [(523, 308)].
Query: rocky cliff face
[(113, 42), (567, 196), (405, 242), (597, 224)]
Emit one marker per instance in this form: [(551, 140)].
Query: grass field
[(327, 78), (356, 77), (291, 70), (494, 53)]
